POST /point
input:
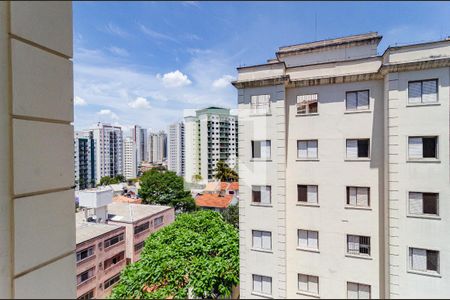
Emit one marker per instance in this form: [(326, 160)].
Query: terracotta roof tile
[(213, 200)]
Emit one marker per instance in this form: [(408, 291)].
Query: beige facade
[(339, 150)]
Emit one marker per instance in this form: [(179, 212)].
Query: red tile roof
[(123, 199), (213, 200), (234, 186)]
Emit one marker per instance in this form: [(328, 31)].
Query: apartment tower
[(344, 171), (84, 160), (139, 136), (210, 136), (157, 150), (130, 165), (175, 148)]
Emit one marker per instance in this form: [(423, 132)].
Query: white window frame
[(261, 283), (421, 82), (310, 234), (262, 235), (358, 107), (308, 142), (309, 282), (360, 202), (414, 158), (356, 157), (306, 101), (358, 290), (260, 104), (355, 237), (418, 197), (309, 191), (267, 152), (267, 188), (419, 251)]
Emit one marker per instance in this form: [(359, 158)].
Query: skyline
[(147, 69)]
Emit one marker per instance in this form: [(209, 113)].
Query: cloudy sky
[(145, 62)]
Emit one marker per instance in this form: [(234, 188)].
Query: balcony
[(116, 268)]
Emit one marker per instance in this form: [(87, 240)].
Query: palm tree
[(224, 173)]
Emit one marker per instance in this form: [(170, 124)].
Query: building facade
[(157, 147), (84, 160), (344, 171), (139, 136), (210, 136), (130, 164), (175, 148), (109, 150)]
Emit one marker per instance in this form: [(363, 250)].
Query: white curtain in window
[(312, 194), (303, 238), (265, 195), (364, 291), (415, 203), (429, 91), (419, 259), (352, 290), (313, 237), (302, 282), (267, 285), (352, 196), (257, 283), (257, 239), (353, 243), (362, 197), (351, 101), (302, 149), (363, 100), (312, 149), (414, 92), (352, 149), (265, 149), (313, 284), (266, 240), (415, 148)]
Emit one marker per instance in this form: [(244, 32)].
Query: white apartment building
[(209, 136), (139, 136), (344, 171), (109, 155), (129, 158), (175, 148), (157, 147), (84, 160)]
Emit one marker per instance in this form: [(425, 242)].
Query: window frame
[(262, 279), (156, 222), (307, 104), (307, 147), (88, 249), (423, 214), (358, 285), (258, 108), (410, 261), (436, 80), (307, 198), (120, 237), (112, 278), (308, 283), (141, 227), (253, 142), (435, 158), (257, 189), (308, 232), (357, 149), (255, 247), (357, 102), (348, 196), (369, 247)]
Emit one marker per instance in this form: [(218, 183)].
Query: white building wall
[(175, 148), (192, 153), (129, 158)]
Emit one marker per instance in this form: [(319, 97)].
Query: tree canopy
[(107, 180), (197, 256), (231, 215), (224, 173), (165, 188)]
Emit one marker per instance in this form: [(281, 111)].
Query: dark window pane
[(363, 148), (302, 193), (430, 203), (432, 260), (313, 107), (256, 196), (256, 149), (429, 147)]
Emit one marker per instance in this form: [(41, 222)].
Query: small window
[(114, 260), (424, 91), (307, 149), (358, 196), (308, 284), (88, 295), (308, 239), (357, 100), (139, 246), (424, 260), (422, 147), (358, 291), (358, 245), (423, 203), (261, 149), (261, 239), (307, 104), (85, 253), (260, 104), (114, 240), (357, 148), (85, 276), (111, 281), (262, 284), (307, 193), (141, 228), (158, 221), (261, 194)]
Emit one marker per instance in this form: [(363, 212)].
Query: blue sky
[(145, 62)]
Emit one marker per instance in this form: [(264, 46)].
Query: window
[(111, 281), (85, 276), (262, 284), (159, 221), (260, 104), (358, 291), (88, 295), (307, 193), (357, 100), (261, 194), (307, 104), (114, 240), (308, 239), (114, 260), (308, 284), (307, 149), (359, 245), (358, 196), (142, 227), (424, 91), (262, 240), (357, 148), (139, 246), (424, 260), (423, 203), (422, 147), (261, 149), (85, 253)]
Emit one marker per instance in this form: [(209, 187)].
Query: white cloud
[(174, 79), (78, 101), (108, 113), (222, 82), (156, 35), (118, 51), (191, 3), (115, 30), (139, 103)]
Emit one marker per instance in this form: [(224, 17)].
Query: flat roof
[(89, 230), (129, 212)]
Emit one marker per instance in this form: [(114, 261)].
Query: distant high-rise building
[(84, 159), (157, 143), (139, 136), (129, 158), (209, 137), (109, 150), (175, 148)]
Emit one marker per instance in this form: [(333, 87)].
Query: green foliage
[(106, 180), (224, 173), (199, 252), (196, 178), (165, 188), (231, 215)]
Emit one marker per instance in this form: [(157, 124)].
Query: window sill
[(261, 250), (308, 250), (357, 159), (260, 160), (308, 204), (307, 115), (424, 273), (307, 159), (262, 295), (423, 104), (424, 160), (260, 115), (261, 205), (307, 294), (362, 111), (430, 217), (359, 256), (357, 207)]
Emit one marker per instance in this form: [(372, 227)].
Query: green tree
[(224, 173), (106, 180), (119, 178), (165, 188), (197, 255), (231, 215), (196, 178)]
